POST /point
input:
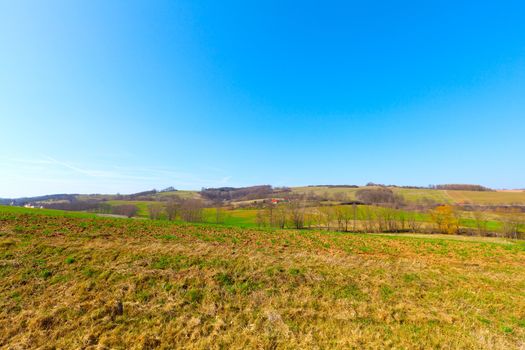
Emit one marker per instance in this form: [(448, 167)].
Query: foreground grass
[(86, 282)]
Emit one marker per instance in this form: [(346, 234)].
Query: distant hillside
[(440, 194), (46, 198), (479, 197)]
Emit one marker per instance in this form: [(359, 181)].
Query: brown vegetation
[(113, 283)]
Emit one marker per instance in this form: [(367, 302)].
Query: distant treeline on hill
[(49, 197), (240, 193), (462, 187), (456, 187), (145, 196), (335, 186), (76, 205), (373, 184)]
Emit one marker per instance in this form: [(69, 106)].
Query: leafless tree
[(270, 206), (481, 222), (155, 210), (402, 219), (343, 215), (382, 196), (128, 210), (340, 196), (309, 218), (317, 218), (280, 216), (191, 210), (296, 213), (510, 226), (367, 216), (261, 217), (219, 213), (413, 224), (327, 216), (172, 209)]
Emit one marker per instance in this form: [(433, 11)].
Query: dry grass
[(488, 198), (440, 196), (411, 195), (71, 282)]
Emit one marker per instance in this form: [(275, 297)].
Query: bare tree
[(128, 210), (280, 216), (481, 222), (309, 218), (317, 218), (383, 196), (354, 217), (155, 210), (327, 215), (510, 226), (261, 217), (172, 209), (340, 196), (219, 213), (296, 213), (391, 219), (401, 219), (379, 220), (367, 216), (343, 215), (413, 224), (191, 210)]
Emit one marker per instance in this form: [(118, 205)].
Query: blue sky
[(123, 96)]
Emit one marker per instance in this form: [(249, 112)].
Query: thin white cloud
[(88, 172), (47, 174)]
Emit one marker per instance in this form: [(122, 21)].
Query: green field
[(236, 217), (142, 206), (247, 218), (88, 282), (14, 210)]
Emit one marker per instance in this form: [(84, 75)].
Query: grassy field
[(411, 195), (247, 218), (440, 196), (235, 217), (85, 282), (178, 194), (14, 210), (487, 198)]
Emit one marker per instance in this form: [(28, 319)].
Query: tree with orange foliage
[(446, 219)]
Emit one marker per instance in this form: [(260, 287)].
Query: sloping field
[(322, 191), (142, 206), (487, 198), (440, 196), (81, 282), (411, 195), (178, 194), (415, 194)]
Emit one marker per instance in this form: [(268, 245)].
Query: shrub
[(446, 219)]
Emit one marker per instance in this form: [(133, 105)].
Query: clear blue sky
[(123, 96)]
